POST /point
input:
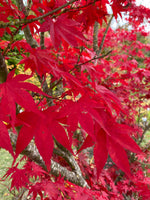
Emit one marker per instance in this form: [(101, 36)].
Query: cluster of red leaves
[(97, 97), (138, 14), (111, 184)]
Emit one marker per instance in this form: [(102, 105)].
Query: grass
[(5, 163), (146, 139), (147, 136)]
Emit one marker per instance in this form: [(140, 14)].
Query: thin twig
[(147, 164), (12, 40), (27, 21), (144, 131), (30, 40), (104, 36), (96, 57)]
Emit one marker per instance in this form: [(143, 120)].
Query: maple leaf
[(39, 61), (18, 176), (62, 28), (120, 132), (118, 6), (118, 139), (100, 151), (42, 127), (105, 145), (89, 113), (33, 26), (33, 169), (3, 43), (14, 91), (78, 112), (21, 44), (4, 138), (35, 126), (55, 126), (96, 14), (7, 9), (36, 189), (118, 155), (111, 138)]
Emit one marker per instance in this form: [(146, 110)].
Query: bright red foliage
[(93, 82)]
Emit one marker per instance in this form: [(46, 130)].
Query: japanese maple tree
[(70, 92)]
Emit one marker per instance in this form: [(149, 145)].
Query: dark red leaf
[(100, 151), (35, 126), (5, 139), (14, 91), (118, 155)]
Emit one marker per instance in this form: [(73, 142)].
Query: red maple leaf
[(119, 6), (8, 9), (42, 127), (78, 112), (34, 170), (14, 91), (112, 138), (39, 61), (4, 138), (109, 136), (21, 44), (33, 26), (18, 176), (35, 126), (54, 120), (62, 28)]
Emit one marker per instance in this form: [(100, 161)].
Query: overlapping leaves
[(62, 28), (42, 128), (109, 136), (13, 91)]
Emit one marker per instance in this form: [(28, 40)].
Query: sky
[(145, 3), (122, 21)]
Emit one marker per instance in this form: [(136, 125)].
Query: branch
[(46, 89), (142, 163), (33, 43), (144, 131), (96, 57), (3, 69), (63, 152), (27, 21), (57, 169), (104, 36), (30, 40), (42, 40), (95, 36), (31, 152)]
